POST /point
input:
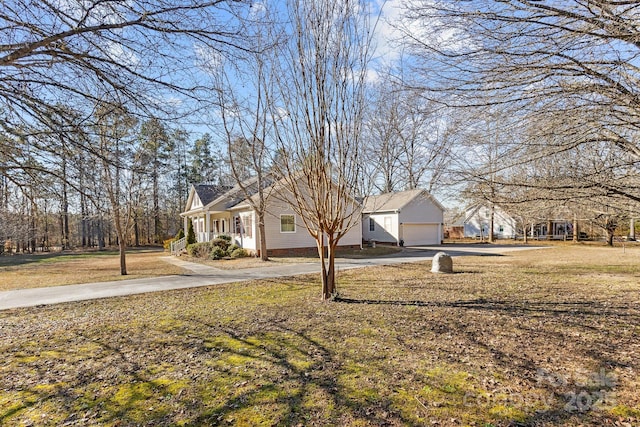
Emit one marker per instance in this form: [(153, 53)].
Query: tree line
[(547, 98), (525, 104), (138, 173)]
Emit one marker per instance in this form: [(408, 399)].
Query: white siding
[(196, 202), (478, 221), (279, 240), (248, 239), (421, 210), (353, 236), (419, 222), (380, 232), (301, 238)]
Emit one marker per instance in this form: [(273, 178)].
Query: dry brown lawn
[(534, 338), (252, 262), (68, 268)]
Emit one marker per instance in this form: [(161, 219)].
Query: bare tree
[(567, 70), (57, 59), (156, 146), (319, 115), (115, 133), (407, 134), (246, 120)]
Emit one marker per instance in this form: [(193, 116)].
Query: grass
[(252, 262), (68, 268), (530, 338)]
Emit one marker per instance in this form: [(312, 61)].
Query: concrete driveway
[(201, 275)]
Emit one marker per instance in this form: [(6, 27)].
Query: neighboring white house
[(478, 219), (409, 218), (215, 211)]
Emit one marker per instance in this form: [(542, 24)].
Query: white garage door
[(420, 234)]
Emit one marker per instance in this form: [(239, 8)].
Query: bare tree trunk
[(32, 228), (264, 256), (331, 270), (326, 286), (576, 230), (65, 205), (83, 213), (123, 256), (100, 234), (491, 221), (136, 230), (156, 208)]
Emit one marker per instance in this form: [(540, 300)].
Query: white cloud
[(257, 10), (387, 33), (122, 55), (207, 59)]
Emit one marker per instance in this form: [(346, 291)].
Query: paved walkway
[(202, 275)]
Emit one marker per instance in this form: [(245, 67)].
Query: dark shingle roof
[(208, 192)]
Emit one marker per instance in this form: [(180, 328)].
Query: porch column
[(632, 229), (186, 225)]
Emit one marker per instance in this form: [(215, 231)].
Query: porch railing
[(207, 237), (178, 246)]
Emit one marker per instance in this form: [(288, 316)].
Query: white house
[(407, 218), (215, 211), (478, 219)]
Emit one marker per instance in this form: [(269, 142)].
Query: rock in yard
[(442, 263)]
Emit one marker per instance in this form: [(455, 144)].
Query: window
[(501, 229), (287, 224), (387, 224), (372, 224), (247, 225), (237, 225)]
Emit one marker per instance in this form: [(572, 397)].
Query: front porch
[(553, 230)]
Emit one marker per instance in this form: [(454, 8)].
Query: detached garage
[(410, 218)]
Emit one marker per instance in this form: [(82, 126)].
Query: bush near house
[(191, 235), (199, 250), (217, 253), (166, 244), (218, 248), (223, 242)]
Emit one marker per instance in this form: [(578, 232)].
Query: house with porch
[(477, 222), (216, 210), (553, 229)]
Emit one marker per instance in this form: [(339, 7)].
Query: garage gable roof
[(393, 202)]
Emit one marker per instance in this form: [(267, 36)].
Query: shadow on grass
[(578, 308), (564, 398), (303, 382)]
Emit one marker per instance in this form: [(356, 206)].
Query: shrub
[(180, 234), (225, 237), (222, 242), (191, 235), (239, 253), (199, 250), (166, 243), (217, 253)]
